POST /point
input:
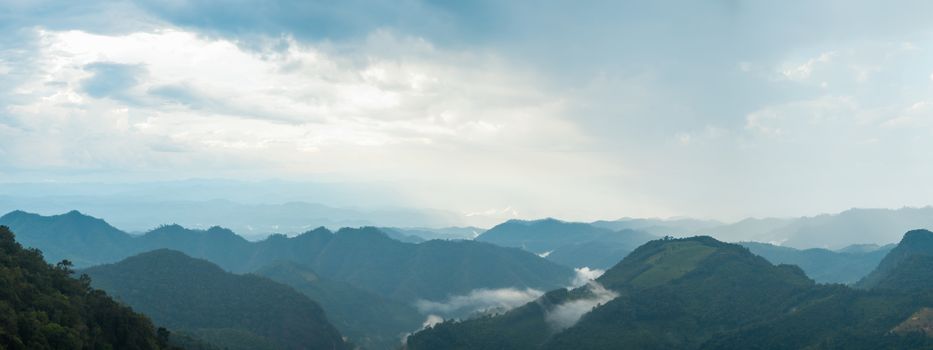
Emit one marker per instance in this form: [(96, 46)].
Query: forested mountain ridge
[(369, 320), (231, 311), (696, 293), (81, 239), (365, 257), (664, 280), (43, 307), (907, 261)]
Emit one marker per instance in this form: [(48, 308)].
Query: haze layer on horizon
[(583, 111)]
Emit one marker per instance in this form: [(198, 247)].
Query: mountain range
[(370, 320), (230, 311), (831, 231), (251, 208), (374, 288), (571, 244), (846, 266), (366, 257), (366, 280), (700, 293)]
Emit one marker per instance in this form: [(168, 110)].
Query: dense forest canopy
[(44, 307)]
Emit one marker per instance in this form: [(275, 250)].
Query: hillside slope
[(369, 320), (230, 311), (42, 307), (694, 293), (365, 258)]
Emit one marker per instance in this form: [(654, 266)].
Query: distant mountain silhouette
[(831, 231), (823, 265), (571, 244), (658, 227), (231, 311), (82, 239), (365, 258), (540, 236), (419, 234)]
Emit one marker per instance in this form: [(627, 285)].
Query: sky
[(579, 110)]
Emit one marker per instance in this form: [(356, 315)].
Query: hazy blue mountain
[(436, 269), (43, 307), (865, 248), (82, 239), (749, 229), (401, 235), (539, 236), (218, 245), (831, 231), (602, 252), (369, 320), (231, 311), (659, 227), (420, 234), (253, 209), (693, 293), (571, 244), (824, 266), (366, 258), (856, 226)]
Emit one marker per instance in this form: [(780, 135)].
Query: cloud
[(504, 212), (805, 70), (431, 320), (298, 100), (918, 115), (585, 275), (111, 79), (479, 300), (567, 314), (486, 102)]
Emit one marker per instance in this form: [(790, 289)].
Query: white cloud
[(450, 119), (708, 133), (494, 212), (479, 300), (585, 275), (431, 320), (917, 115), (308, 109), (791, 120), (803, 71), (563, 316)]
